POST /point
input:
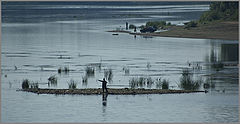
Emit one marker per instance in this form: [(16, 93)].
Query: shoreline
[(224, 30), (98, 91)]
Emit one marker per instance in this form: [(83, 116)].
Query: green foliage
[(227, 10), (169, 23), (156, 24), (191, 24), (131, 26), (25, 84)]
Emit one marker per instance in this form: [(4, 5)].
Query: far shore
[(225, 30)]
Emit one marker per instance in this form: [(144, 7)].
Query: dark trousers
[(104, 88)]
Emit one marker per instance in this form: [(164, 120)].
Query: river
[(38, 38)]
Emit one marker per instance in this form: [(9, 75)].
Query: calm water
[(38, 38)]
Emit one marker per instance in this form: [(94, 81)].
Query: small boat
[(115, 34)]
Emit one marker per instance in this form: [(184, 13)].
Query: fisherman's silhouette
[(104, 85)]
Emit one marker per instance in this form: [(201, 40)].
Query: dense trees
[(227, 10)]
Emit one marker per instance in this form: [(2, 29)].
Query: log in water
[(96, 91)]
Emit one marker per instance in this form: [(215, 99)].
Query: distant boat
[(114, 34)]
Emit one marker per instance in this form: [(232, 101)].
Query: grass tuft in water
[(187, 82), (84, 80), (165, 84), (126, 70), (150, 82), (52, 80), (89, 71), (65, 70), (72, 84), (34, 85), (25, 84), (137, 82)]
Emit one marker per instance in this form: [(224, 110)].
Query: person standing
[(126, 25), (104, 85)]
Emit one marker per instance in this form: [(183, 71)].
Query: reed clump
[(90, 71), (72, 84), (108, 74), (65, 70), (136, 82), (25, 84), (164, 84), (52, 80), (187, 82)]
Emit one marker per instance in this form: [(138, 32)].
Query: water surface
[(40, 37)]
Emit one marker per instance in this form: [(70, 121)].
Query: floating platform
[(97, 91)]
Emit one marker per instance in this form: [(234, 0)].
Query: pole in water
[(126, 25)]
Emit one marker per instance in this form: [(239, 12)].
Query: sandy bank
[(226, 30), (125, 91)]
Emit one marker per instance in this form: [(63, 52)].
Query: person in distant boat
[(104, 85)]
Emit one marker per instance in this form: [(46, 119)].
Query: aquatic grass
[(137, 82), (165, 84), (133, 83), (90, 71), (108, 74), (149, 82), (158, 83), (65, 70), (72, 84), (25, 84), (126, 70), (34, 85), (52, 80), (84, 80), (187, 82)]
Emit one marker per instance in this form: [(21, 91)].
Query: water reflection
[(229, 52), (222, 69), (104, 99), (104, 102)]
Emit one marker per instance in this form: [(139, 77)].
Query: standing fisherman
[(104, 85)]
